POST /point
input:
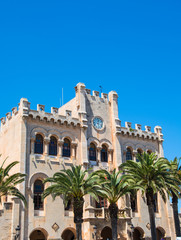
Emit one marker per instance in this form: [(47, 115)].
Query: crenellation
[(40, 108), (54, 110), (95, 93), (3, 120), (14, 110), (128, 124), (104, 96), (88, 91), (147, 128), (8, 116), (138, 127)]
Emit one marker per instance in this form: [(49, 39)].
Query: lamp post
[(95, 232), (17, 232)]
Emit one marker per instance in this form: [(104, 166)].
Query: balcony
[(103, 213)]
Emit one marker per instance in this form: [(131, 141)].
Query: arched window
[(104, 154), (139, 152), (38, 190), (129, 154), (53, 146), (39, 144), (92, 152), (66, 148)]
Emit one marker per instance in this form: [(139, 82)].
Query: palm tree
[(176, 170), (152, 175), (74, 184), (112, 189), (9, 182)]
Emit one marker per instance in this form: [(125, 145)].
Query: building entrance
[(37, 235), (159, 234), (106, 233), (68, 235)]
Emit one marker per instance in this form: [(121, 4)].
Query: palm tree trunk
[(113, 211), (175, 214), (150, 203), (79, 231), (78, 216)]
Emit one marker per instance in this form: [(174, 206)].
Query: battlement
[(54, 116), (127, 130)]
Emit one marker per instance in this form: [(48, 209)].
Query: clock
[(98, 123)]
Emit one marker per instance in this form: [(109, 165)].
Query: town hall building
[(85, 131)]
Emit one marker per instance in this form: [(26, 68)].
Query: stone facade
[(74, 131)]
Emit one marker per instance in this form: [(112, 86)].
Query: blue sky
[(133, 47)]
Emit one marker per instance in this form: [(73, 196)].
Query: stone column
[(59, 152), (134, 153), (32, 145), (99, 155), (46, 145)]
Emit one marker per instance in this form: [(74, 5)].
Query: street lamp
[(17, 232), (95, 231)]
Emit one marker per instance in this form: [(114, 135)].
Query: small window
[(66, 148), (104, 154), (39, 144), (69, 206), (129, 154), (139, 152), (38, 190), (102, 203), (92, 152), (133, 199), (53, 146)]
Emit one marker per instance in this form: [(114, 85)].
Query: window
[(92, 152), (104, 154), (102, 203), (53, 146), (38, 190), (133, 199), (128, 154), (39, 144), (66, 148), (139, 152)]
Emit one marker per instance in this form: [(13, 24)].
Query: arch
[(106, 233), (38, 175), (53, 146), (39, 130), (38, 234), (66, 147), (93, 140), (138, 233), (92, 152), (38, 148), (104, 153), (160, 233), (106, 142), (129, 154), (69, 234), (68, 135)]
